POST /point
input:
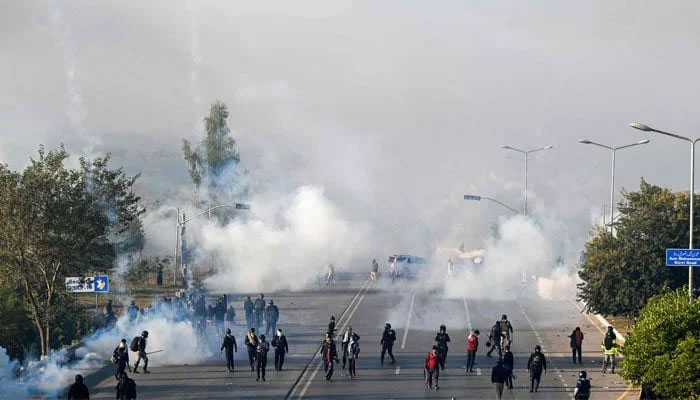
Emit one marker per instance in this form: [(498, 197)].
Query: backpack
[(134, 346), (609, 341)]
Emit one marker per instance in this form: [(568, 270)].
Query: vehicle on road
[(406, 266)]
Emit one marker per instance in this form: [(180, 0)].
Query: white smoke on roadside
[(9, 387), (285, 243)]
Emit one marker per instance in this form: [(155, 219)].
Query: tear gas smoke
[(9, 387)]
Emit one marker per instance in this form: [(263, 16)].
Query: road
[(367, 306)]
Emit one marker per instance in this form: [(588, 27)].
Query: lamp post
[(526, 153), (646, 128), (613, 150), (479, 198)]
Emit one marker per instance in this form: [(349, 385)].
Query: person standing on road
[(375, 270), (495, 339), (431, 368), (126, 388), (508, 362), (132, 311), (583, 387), (331, 326), (120, 356), (249, 308), (576, 344), (329, 353), (499, 375), (442, 338), (345, 343), (251, 343), (536, 364), (387, 342), (279, 343), (272, 315), (354, 350), (506, 331), (141, 353), (610, 350), (472, 347), (78, 390), (450, 268), (230, 346), (261, 357), (259, 311), (330, 279)]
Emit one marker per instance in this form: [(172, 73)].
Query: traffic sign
[(682, 257), (88, 284), (101, 284)]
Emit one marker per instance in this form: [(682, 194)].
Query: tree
[(663, 351), (208, 161), (621, 272), (56, 222)]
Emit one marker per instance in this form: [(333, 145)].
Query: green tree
[(56, 222), (621, 272), (208, 161), (663, 351)]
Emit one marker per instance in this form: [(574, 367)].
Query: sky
[(396, 109)]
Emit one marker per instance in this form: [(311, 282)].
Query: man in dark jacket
[(261, 357), (230, 346), (126, 388), (120, 356), (249, 308), (576, 344), (279, 343), (442, 338), (141, 354), (329, 352), (259, 311), (535, 365), (331, 325), (78, 390), (498, 376), (251, 343), (495, 339), (387, 342), (272, 314), (508, 362), (583, 387)]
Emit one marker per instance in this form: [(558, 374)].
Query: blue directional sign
[(101, 284), (682, 257)]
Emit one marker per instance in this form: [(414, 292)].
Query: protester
[(78, 390), (583, 387), (345, 343), (354, 353), (442, 338), (536, 364), (431, 368), (387, 342), (120, 357), (495, 339), (126, 388), (230, 346), (249, 307), (259, 311), (272, 314), (508, 362), (329, 353), (576, 344), (472, 347), (251, 342), (138, 345), (261, 357), (506, 331), (331, 325), (499, 375), (281, 348), (375, 270)]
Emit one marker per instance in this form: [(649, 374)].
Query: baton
[(157, 351)]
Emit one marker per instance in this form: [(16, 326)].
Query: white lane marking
[(408, 321), (478, 371), (469, 318), (345, 323), (398, 370)]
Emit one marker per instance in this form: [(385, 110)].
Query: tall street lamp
[(526, 153), (613, 150), (646, 128), (479, 198)]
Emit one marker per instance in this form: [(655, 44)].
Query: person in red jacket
[(431, 369), (472, 347)]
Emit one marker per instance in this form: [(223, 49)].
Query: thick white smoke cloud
[(8, 385), (285, 243)]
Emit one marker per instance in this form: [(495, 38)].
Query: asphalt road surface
[(367, 306)]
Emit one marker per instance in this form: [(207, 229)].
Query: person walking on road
[(330, 278), (126, 388), (506, 331), (251, 343), (442, 338), (354, 353), (140, 349), (120, 356), (387, 342), (375, 270), (583, 387), (348, 337), (259, 311), (495, 340), (499, 375), (508, 362), (249, 308), (78, 390), (610, 350), (272, 315), (261, 357), (576, 344), (329, 353), (431, 368), (230, 346), (472, 347), (279, 343), (536, 364)]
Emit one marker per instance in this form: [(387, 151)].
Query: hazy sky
[(397, 108)]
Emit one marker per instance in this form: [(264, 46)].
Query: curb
[(603, 322)]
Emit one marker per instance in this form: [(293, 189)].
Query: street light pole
[(479, 198), (526, 153), (646, 128), (613, 150)]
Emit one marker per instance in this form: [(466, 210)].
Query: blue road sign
[(682, 257), (101, 284)]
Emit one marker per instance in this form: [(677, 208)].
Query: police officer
[(251, 343), (583, 387), (141, 354), (272, 315), (281, 348), (610, 349), (495, 339), (442, 338), (248, 306), (120, 356), (261, 357), (230, 346), (387, 342)]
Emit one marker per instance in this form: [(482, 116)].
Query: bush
[(663, 352)]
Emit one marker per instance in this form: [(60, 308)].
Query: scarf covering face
[(251, 337)]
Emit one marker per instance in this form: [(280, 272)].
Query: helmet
[(387, 326), (442, 328), (78, 378), (504, 317), (582, 374), (228, 331), (144, 333)]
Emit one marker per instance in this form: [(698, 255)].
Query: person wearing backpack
[(120, 356), (138, 345), (353, 354), (442, 338), (576, 344), (610, 350), (583, 387), (495, 339), (126, 388), (536, 364)]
